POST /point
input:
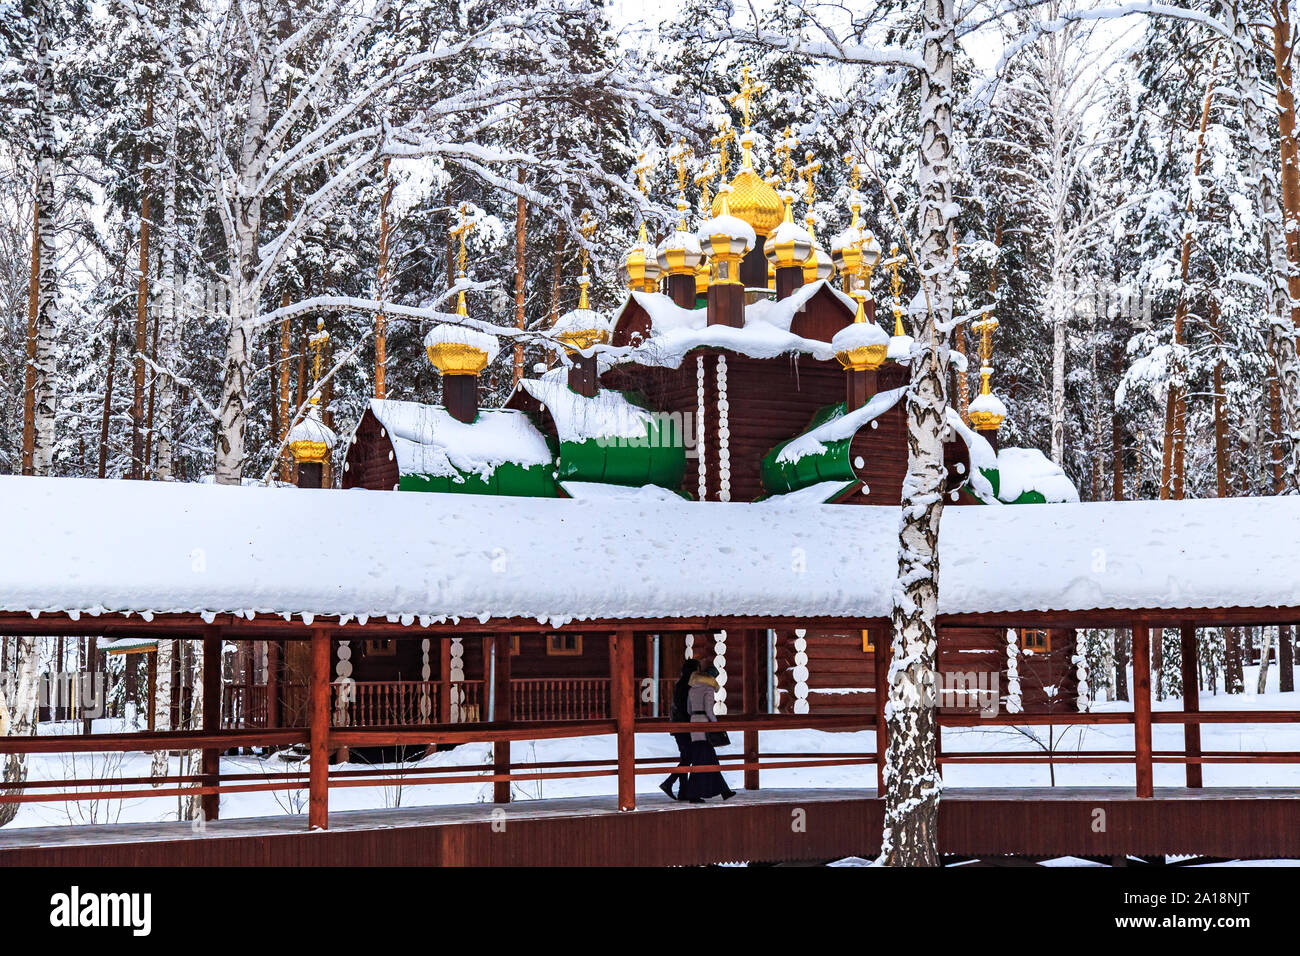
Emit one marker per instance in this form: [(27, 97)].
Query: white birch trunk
[(17, 718), (912, 783), (162, 704), (1058, 312), (47, 303), (191, 807), (167, 314)]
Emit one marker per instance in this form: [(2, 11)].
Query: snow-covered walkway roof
[(86, 546)]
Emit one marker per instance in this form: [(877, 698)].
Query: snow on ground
[(404, 790)]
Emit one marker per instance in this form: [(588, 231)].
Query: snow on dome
[(449, 334), (1022, 470), (681, 241), (427, 440), (789, 232), (900, 348), (858, 335), (988, 404), (582, 320), (733, 228), (312, 429), (850, 238), (579, 418)]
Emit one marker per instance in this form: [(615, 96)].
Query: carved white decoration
[(701, 465), (724, 434), (720, 662)]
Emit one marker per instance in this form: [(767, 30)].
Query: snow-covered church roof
[(90, 547), (674, 331)]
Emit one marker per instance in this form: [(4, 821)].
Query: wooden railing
[(404, 703)]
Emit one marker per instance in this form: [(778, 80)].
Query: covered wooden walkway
[(765, 826)]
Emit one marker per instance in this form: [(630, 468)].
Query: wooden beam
[(623, 693), (211, 720), (272, 684), (749, 665), (319, 767), (1191, 703), (1142, 709), (501, 715)]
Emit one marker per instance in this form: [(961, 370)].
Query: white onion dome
[(680, 253), (726, 234), (459, 349), (579, 329), (818, 265), (311, 440), (789, 245), (639, 267)]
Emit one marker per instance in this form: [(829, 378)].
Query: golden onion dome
[(754, 201), (311, 440), (459, 349), (861, 346), (639, 268), (789, 245), (680, 254), (987, 412)]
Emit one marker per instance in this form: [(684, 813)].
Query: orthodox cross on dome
[(748, 93), (896, 263), (785, 155), (461, 232), (317, 342), (808, 172), (587, 227), (855, 171), (680, 156), (726, 136), (703, 179)]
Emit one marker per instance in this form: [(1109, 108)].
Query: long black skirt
[(709, 783)]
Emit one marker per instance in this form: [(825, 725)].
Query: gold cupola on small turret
[(790, 244), (582, 328), (680, 255), (310, 440), (855, 251), (751, 198), (458, 350), (987, 412), (900, 343), (639, 267), (819, 264)]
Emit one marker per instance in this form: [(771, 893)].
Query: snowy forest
[(190, 190)]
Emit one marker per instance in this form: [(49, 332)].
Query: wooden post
[(272, 684), (1142, 709), (623, 698), (319, 767), (152, 664), (880, 640), (749, 664), (1191, 703), (211, 719), (444, 680), (501, 714)]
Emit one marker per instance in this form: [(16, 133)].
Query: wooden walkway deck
[(757, 826)]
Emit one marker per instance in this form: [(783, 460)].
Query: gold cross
[(787, 146), (317, 342), (810, 169), (703, 179), (461, 232), (586, 226), (749, 90), (642, 170), (726, 135), (855, 171)]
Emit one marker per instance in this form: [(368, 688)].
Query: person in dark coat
[(680, 715), (700, 700)]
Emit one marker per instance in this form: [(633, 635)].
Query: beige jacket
[(699, 701)]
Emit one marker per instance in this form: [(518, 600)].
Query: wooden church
[(744, 365)]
